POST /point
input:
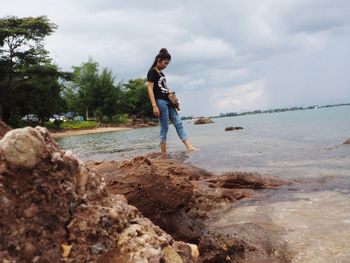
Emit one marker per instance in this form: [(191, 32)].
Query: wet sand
[(87, 131)]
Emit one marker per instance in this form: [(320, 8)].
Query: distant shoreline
[(87, 131), (234, 114)]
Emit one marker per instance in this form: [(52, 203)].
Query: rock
[(55, 199), (50, 198), (233, 128), (140, 123), (203, 121), (98, 248), (347, 142), (151, 123), (153, 189), (30, 212), (244, 180), (22, 147), (221, 248), (171, 256), (66, 250), (176, 196), (29, 251), (194, 251), (3, 129), (32, 185), (245, 243)]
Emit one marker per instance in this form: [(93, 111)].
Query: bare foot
[(192, 149), (189, 146)]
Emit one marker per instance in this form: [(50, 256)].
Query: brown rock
[(30, 212), (244, 243), (171, 256), (175, 195), (244, 180), (22, 147), (347, 142), (55, 199), (235, 194), (148, 187), (140, 123), (29, 251), (52, 199), (3, 129), (221, 248), (233, 128), (203, 121)]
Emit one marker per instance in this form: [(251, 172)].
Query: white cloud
[(241, 97), (259, 53)]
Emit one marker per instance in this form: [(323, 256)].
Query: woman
[(158, 93)]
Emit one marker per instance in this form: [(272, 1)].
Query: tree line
[(31, 83)]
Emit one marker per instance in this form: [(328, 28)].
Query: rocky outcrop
[(203, 121), (3, 129), (140, 123), (178, 196), (347, 142), (245, 243), (53, 209), (233, 128)]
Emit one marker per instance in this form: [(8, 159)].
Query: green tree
[(43, 90), (92, 91), (136, 101), (21, 52), (84, 86), (71, 99), (110, 93)]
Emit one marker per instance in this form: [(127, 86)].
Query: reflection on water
[(314, 220), (313, 217), (112, 145)]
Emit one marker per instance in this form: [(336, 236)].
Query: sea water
[(312, 215)]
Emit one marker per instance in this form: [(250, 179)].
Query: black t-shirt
[(160, 88)]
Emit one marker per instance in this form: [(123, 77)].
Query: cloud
[(243, 96), (256, 53)]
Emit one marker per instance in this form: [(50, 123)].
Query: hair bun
[(163, 50)]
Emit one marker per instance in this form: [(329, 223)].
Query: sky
[(227, 55)]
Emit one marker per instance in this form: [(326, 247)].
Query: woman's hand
[(156, 111)]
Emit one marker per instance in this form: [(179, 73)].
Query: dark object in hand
[(174, 102)]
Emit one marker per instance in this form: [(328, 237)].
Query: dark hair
[(163, 54)]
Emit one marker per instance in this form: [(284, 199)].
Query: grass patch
[(73, 125), (78, 125)]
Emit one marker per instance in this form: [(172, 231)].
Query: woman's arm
[(152, 99)]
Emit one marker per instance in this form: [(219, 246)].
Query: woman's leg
[(175, 118), (163, 106)]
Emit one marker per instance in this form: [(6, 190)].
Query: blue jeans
[(166, 112)]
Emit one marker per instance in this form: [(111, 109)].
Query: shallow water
[(313, 216), (315, 221)]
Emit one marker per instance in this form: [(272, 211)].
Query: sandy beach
[(87, 131)]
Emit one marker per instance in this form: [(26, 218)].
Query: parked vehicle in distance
[(78, 118), (70, 115), (30, 118), (57, 117)]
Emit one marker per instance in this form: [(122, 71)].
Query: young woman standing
[(158, 93)]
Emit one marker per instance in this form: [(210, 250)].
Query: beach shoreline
[(87, 131)]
